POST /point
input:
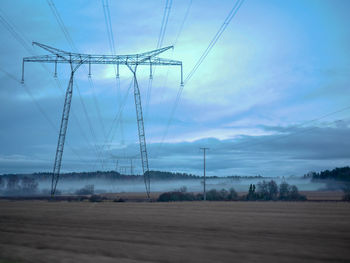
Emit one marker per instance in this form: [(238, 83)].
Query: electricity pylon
[(75, 60), (204, 183), (125, 158)]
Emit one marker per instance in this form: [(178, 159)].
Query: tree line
[(338, 174), (15, 185), (264, 190), (105, 175)]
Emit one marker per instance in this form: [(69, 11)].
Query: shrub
[(290, 193), (199, 196), (232, 195), (294, 194), (222, 195), (119, 200), (267, 190), (270, 191), (176, 196), (346, 190), (86, 190), (214, 195), (97, 198), (284, 191)]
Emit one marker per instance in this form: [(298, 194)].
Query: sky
[(271, 98)]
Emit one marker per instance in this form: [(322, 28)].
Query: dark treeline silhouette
[(338, 174), (264, 191), (212, 195), (105, 175), (336, 179), (271, 191), (113, 175)]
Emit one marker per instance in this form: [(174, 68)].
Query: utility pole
[(204, 185), (75, 60), (131, 167)]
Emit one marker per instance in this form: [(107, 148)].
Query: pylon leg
[(62, 135), (142, 136)]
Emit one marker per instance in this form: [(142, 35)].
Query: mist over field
[(192, 185)]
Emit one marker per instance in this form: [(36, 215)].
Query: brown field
[(41, 231)]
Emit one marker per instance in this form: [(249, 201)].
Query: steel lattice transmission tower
[(75, 60)]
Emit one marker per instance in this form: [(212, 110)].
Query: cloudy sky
[(271, 97)]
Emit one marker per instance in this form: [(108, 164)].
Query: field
[(41, 231)]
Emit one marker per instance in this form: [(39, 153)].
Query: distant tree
[(176, 196), (309, 175), (214, 195), (232, 195), (272, 190), (251, 193), (339, 174), (267, 190), (250, 188), (2, 182), (284, 191), (290, 193), (263, 191), (294, 192), (13, 184), (29, 185)]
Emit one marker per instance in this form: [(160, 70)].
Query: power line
[(23, 41), (163, 27), (167, 74), (212, 43), (71, 43), (39, 107), (246, 144), (109, 28), (176, 40), (165, 20), (116, 121), (183, 22)]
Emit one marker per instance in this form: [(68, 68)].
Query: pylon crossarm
[(50, 49), (138, 57), (155, 52), (104, 59)]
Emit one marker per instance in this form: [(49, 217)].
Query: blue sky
[(278, 66)]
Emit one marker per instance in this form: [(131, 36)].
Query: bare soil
[(42, 231)]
